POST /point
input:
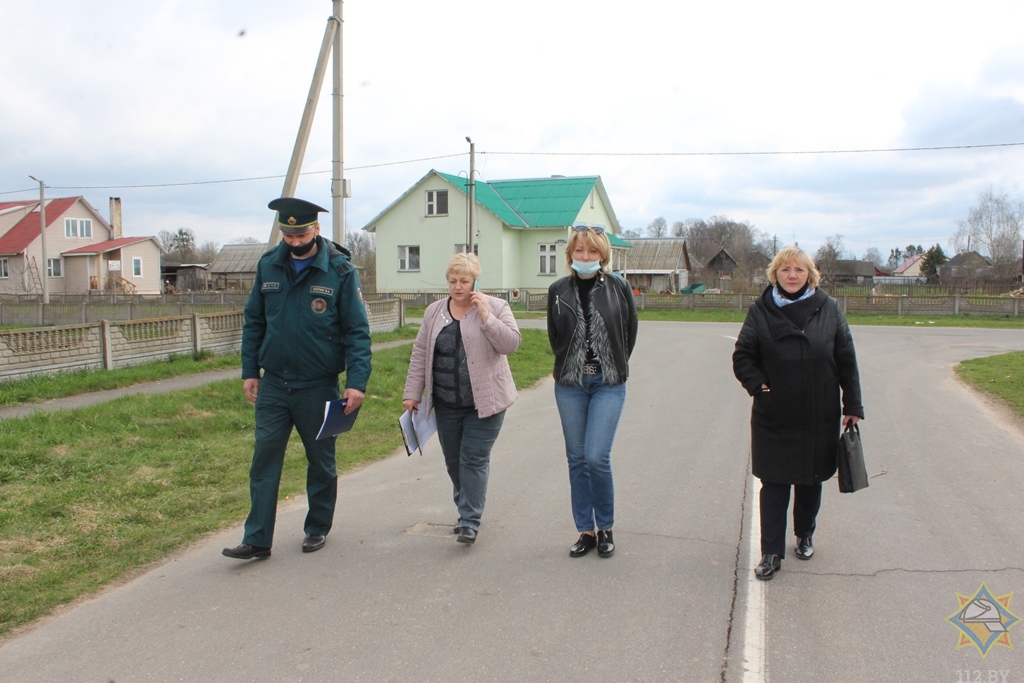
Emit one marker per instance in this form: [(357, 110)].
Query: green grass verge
[(999, 376), (75, 382), (90, 495)]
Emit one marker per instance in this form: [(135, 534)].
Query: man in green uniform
[(305, 323)]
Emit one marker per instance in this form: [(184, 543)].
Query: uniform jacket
[(613, 323), (487, 348), (794, 427), (304, 330)]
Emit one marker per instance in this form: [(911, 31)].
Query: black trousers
[(774, 501)]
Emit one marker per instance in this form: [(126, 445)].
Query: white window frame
[(136, 266), (433, 199), (78, 228), (55, 267), (405, 254), (547, 262), (5, 269), (464, 248)]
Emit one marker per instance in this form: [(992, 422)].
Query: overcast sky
[(667, 101)]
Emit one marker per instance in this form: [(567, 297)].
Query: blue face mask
[(586, 267)]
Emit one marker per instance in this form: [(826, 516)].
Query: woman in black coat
[(795, 356)]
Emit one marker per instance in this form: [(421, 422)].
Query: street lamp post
[(42, 238), (472, 192)]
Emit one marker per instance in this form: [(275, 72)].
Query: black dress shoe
[(313, 542), (246, 552), (769, 565), (605, 544), (584, 545), (467, 534), (804, 548)]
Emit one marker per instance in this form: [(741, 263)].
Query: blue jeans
[(590, 415), (466, 442)]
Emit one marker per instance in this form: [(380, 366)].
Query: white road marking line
[(754, 650)]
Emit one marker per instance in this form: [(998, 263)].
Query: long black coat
[(795, 427)]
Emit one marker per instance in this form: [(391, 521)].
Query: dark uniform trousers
[(774, 503), (278, 409)]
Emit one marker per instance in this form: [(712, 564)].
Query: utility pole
[(291, 179), (42, 238), (339, 186), (472, 192)]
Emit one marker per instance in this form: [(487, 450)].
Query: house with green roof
[(520, 229)]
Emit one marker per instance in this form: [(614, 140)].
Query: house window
[(54, 267), (437, 202), (409, 258), (77, 227), (463, 248), (137, 267), (548, 259), (4, 269)]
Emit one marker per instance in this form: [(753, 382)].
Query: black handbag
[(853, 474)]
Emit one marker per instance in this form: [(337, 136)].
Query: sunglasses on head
[(583, 227)]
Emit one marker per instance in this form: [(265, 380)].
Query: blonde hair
[(599, 242), (464, 263), (794, 254)]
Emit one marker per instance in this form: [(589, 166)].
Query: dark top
[(452, 387), (583, 288)]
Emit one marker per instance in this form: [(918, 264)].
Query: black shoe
[(246, 552), (804, 548), (467, 534), (313, 542), (584, 545), (605, 544), (769, 565)]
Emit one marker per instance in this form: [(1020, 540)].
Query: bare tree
[(678, 229), (895, 258), (247, 240), (631, 234), (993, 229), (657, 228), (874, 256), (166, 238), (364, 256), (206, 252), (828, 256)]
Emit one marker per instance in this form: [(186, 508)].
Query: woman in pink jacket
[(459, 368)]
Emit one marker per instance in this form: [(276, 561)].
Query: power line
[(563, 154), (738, 154), (228, 180)]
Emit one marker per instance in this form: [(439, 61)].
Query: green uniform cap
[(295, 216)]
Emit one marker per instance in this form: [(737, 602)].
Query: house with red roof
[(84, 253), (910, 267)]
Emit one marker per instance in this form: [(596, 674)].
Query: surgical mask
[(586, 267), (302, 249)]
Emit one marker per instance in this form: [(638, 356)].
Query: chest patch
[(270, 287), (317, 289), (318, 305)]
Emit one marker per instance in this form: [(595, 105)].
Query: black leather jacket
[(611, 299)]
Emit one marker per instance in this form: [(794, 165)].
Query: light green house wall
[(509, 254)]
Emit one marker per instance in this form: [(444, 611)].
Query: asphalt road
[(393, 597)]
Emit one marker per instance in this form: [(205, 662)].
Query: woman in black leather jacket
[(592, 326)]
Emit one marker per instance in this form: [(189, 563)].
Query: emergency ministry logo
[(318, 306), (983, 620)]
